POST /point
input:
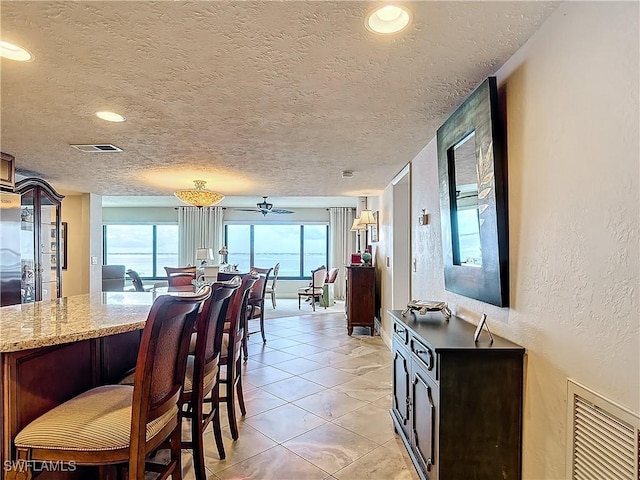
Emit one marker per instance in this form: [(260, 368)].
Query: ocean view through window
[(147, 249), (298, 248)]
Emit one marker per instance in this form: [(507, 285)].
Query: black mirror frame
[(480, 112)]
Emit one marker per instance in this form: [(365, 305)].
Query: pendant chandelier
[(199, 196)]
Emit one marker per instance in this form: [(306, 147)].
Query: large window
[(147, 249), (298, 248)]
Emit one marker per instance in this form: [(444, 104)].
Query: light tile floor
[(317, 407)]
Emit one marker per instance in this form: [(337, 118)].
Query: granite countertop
[(70, 319)]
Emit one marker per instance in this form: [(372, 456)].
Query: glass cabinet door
[(40, 240), (49, 247), (27, 248)]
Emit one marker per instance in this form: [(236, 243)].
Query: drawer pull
[(400, 330), (420, 352)]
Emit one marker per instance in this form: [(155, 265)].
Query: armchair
[(314, 290), (327, 289)]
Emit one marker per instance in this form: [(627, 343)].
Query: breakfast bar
[(51, 351)]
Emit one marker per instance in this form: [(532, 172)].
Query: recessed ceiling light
[(110, 116), (387, 20), (14, 52)]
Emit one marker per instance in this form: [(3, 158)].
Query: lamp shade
[(356, 227), (199, 196), (366, 218), (204, 254)]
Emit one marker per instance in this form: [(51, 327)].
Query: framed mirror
[(473, 198)]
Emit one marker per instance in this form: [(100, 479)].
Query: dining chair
[(122, 424), (271, 288), (314, 290), (230, 353), (113, 278), (135, 280), (180, 276), (256, 302), (201, 377)]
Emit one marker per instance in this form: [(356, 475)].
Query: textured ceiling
[(257, 98)]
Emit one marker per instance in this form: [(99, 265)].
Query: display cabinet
[(40, 240)]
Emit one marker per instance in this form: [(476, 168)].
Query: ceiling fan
[(265, 208)]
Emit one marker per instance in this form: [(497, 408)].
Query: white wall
[(573, 135), (92, 222), (75, 279), (83, 214), (137, 215)]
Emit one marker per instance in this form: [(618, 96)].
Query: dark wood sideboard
[(457, 405), (361, 297)]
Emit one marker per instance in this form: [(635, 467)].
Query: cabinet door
[(49, 247), (401, 382), (28, 260), (424, 419), (40, 240)]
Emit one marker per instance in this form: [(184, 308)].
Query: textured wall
[(92, 215), (572, 110), (73, 282)]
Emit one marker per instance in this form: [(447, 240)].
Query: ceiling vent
[(97, 148)]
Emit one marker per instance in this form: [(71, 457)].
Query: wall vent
[(97, 148), (603, 437)]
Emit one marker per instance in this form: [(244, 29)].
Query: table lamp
[(366, 219), (356, 227), (203, 255)]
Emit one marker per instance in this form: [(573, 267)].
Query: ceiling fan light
[(199, 196), (264, 206)]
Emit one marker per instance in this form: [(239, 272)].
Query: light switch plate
[(94, 260)]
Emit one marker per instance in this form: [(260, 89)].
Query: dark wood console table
[(457, 405)]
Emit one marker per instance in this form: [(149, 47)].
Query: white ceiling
[(257, 98)]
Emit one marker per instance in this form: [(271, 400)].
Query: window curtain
[(199, 228), (341, 245)]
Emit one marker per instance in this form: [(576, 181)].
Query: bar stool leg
[(176, 451), (217, 433), (197, 440), (243, 410)]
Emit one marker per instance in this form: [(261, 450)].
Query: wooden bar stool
[(118, 424), (201, 377), (231, 351)]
